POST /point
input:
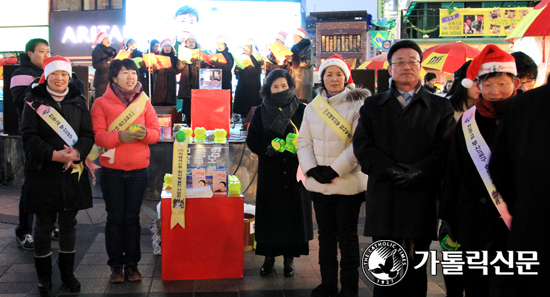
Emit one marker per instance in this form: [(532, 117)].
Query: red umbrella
[(534, 24), (448, 57), (378, 62)]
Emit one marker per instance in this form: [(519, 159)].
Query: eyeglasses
[(527, 83), (400, 63)]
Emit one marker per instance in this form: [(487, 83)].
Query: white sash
[(56, 121), (481, 153)]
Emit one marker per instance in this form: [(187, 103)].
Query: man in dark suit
[(401, 142), (519, 169)]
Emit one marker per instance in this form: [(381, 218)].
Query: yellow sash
[(179, 181), (332, 118), (130, 114), (124, 120)]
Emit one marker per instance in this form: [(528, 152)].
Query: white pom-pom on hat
[(467, 83)]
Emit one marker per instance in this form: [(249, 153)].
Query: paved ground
[(18, 276)]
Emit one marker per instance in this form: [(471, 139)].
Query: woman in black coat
[(165, 84), (189, 79), (59, 187), (151, 72), (283, 211), (227, 76), (247, 93), (102, 55)]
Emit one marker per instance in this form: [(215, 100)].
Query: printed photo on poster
[(495, 14), (511, 14), (177, 203)]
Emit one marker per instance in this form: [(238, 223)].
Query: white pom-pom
[(467, 83), (351, 86)]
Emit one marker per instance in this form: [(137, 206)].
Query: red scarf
[(491, 109)]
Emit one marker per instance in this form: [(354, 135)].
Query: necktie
[(405, 101)]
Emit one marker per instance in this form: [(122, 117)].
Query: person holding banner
[(300, 65), (125, 164), (333, 175), (57, 136), (283, 211), (165, 83), (102, 55), (190, 76), (227, 76), (275, 63), (248, 72), (470, 202)]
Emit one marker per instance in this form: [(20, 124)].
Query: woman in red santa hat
[(300, 65), (470, 203), (333, 175), (165, 82), (57, 136), (102, 55)]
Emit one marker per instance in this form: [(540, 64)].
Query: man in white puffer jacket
[(333, 175)]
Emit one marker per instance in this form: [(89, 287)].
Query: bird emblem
[(388, 267)]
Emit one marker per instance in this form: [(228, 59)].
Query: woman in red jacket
[(125, 166)]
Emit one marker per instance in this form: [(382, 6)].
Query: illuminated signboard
[(72, 32), (238, 20)]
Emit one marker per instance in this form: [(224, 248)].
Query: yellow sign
[(332, 118), (435, 61), (179, 175), (480, 21)]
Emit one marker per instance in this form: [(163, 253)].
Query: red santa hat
[(53, 64), (281, 35), (491, 59), (99, 38), (300, 32), (221, 38), (336, 60), (166, 41)]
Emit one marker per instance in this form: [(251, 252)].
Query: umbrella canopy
[(535, 23), (378, 62), (448, 57)]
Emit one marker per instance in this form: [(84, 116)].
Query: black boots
[(66, 267), (329, 282), (44, 271), (289, 268), (267, 268)]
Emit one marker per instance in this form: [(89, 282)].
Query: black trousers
[(43, 231), (25, 219), (415, 282), (337, 217)]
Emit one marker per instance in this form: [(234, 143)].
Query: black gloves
[(329, 173), (409, 179), (322, 174), (392, 171), (270, 151), (447, 228)]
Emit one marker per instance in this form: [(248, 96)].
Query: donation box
[(211, 109), (211, 244)]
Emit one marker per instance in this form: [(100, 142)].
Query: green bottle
[(448, 244)]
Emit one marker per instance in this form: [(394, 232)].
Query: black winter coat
[(247, 93), (519, 168), (283, 212), (189, 79), (227, 76), (419, 135), (49, 188), (101, 56), (465, 202), (28, 72), (165, 83)]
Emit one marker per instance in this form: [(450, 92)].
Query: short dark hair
[(265, 91), (404, 44), (187, 10), (116, 66), (31, 44), (429, 76), (526, 67)]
